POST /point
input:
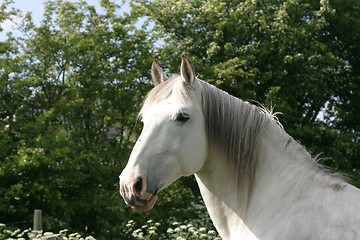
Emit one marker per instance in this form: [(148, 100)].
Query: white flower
[(202, 229)]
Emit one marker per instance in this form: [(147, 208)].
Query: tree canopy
[(71, 87), (299, 56)]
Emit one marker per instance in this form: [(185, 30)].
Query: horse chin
[(148, 206)]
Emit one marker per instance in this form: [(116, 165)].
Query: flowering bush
[(180, 226), (148, 231), (176, 231), (28, 234)]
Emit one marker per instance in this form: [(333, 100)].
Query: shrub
[(28, 234), (178, 231)]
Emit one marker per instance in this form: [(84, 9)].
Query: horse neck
[(221, 197), (282, 165)]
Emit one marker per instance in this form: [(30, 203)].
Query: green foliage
[(70, 90)]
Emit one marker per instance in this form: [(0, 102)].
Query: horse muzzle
[(137, 196)]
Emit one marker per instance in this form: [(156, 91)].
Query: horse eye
[(182, 117)]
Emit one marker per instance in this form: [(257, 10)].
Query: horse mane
[(234, 127)]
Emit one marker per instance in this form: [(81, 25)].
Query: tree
[(277, 53), (70, 90), (343, 33)]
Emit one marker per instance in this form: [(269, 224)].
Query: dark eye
[(182, 117)]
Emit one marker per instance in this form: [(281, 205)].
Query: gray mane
[(234, 127)]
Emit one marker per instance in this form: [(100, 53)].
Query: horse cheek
[(194, 151)]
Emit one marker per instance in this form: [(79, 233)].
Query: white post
[(37, 220)]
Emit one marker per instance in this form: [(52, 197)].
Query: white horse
[(257, 182)]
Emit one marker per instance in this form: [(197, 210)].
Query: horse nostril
[(138, 186)]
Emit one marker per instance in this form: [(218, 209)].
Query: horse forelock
[(164, 91)]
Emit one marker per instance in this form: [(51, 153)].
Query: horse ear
[(157, 74), (187, 70)]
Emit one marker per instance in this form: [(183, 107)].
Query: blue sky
[(36, 7)]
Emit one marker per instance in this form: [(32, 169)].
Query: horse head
[(173, 139)]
